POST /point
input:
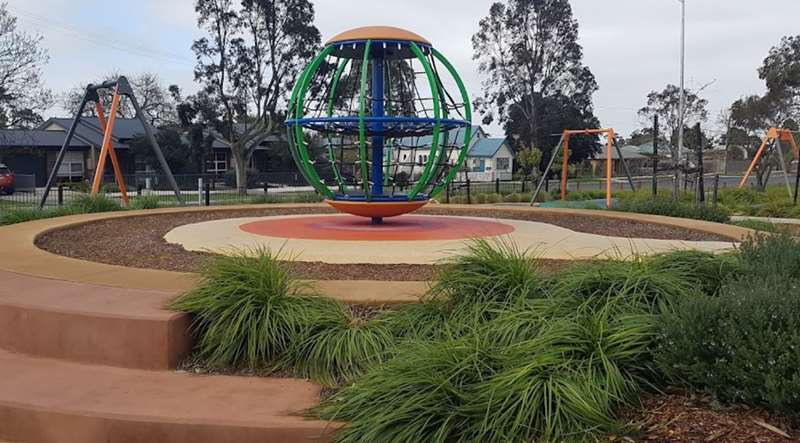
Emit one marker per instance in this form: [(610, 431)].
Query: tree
[(554, 113), (528, 51), (22, 92), (247, 62), (528, 160), (751, 117), (157, 103), (781, 73), (666, 104)]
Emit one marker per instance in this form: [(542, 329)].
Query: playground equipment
[(564, 144), (122, 88), (392, 136), (772, 142)]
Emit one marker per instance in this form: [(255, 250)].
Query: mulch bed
[(139, 241), (681, 417)]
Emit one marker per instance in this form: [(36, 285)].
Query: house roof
[(629, 152), (23, 138), (486, 147)]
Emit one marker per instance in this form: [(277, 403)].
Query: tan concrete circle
[(542, 239)]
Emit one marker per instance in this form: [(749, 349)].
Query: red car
[(7, 180)]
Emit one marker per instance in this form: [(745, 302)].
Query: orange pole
[(564, 167), (753, 164), (608, 167), (112, 152), (101, 161)]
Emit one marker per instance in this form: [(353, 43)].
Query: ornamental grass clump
[(426, 320), (706, 271), (489, 273), (416, 396), (339, 347), (248, 310), (638, 283), (564, 384)]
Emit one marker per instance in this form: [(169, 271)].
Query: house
[(488, 158), (636, 159), (33, 152)]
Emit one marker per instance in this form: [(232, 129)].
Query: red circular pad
[(346, 227)]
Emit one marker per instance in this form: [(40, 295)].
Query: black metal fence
[(153, 190)]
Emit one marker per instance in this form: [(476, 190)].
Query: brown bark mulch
[(139, 241), (681, 417)]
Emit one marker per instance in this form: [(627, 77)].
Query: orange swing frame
[(565, 158), (564, 143), (777, 135), (107, 149)]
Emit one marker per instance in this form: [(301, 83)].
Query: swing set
[(121, 88), (770, 144), (564, 144)]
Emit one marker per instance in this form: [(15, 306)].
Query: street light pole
[(682, 101)]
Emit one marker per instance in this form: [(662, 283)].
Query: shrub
[(293, 197), (146, 202), (743, 346), (670, 208), (763, 255), (24, 215), (757, 225), (249, 310), (338, 347), (99, 203)]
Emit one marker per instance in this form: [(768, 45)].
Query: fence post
[(138, 189), (447, 193), (266, 189), (60, 195), (716, 190), (469, 197), (497, 185), (200, 191), (208, 194), (522, 191)]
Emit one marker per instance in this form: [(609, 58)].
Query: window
[(503, 163), (422, 159), (217, 162), (72, 165)]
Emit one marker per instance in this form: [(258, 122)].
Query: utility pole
[(655, 155), (682, 101)]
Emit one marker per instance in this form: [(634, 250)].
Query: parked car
[(7, 180)]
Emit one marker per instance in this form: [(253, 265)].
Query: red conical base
[(377, 210)]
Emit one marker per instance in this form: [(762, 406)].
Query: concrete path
[(545, 240)]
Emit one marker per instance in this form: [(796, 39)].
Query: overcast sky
[(632, 46)]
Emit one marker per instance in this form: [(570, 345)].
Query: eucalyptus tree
[(251, 54)]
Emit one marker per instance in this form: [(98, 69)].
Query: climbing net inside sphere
[(379, 120)]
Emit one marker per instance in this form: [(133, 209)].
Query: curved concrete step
[(90, 323), (52, 401)]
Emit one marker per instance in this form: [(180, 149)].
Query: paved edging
[(22, 256)]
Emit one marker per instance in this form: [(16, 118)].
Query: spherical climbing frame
[(392, 136)]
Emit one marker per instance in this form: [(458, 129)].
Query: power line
[(44, 23)]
